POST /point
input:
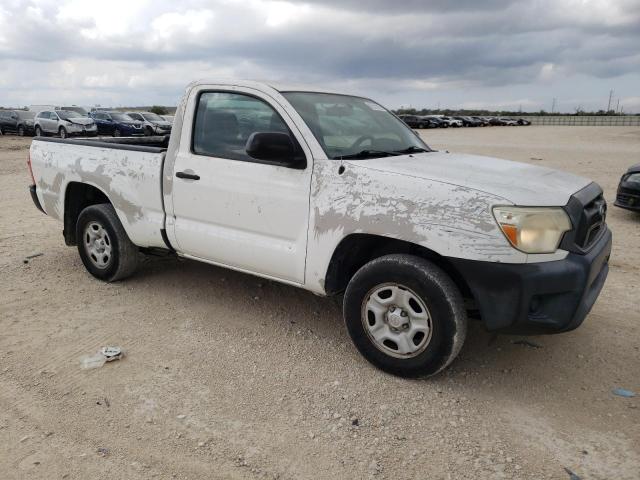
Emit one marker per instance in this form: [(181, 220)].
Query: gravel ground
[(230, 376)]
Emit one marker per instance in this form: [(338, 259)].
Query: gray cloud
[(426, 48)]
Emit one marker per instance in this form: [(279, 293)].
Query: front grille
[(628, 200), (588, 212), (593, 222)]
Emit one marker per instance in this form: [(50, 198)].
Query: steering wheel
[(360, 141)]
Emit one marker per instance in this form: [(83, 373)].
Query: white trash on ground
[(97, 360)]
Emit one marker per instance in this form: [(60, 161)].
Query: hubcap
[(396, 320), (97, 244)]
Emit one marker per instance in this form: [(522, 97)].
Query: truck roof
[(263, 85)]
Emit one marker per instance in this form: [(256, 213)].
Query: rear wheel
[(103, 245), (38, 131), (405, 315)]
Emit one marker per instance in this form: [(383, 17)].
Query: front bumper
[(628, 196), (79, 131), (538, 298)]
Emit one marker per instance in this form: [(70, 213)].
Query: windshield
[(79, 110), (348, 126), (121, 117), (152, 117), (66, 114)]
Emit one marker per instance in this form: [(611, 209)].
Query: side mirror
[(273, 146)]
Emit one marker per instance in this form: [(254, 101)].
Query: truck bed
[(153, 144), (126, 170)]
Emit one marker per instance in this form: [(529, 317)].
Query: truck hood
[(519, 183), (634, 169)]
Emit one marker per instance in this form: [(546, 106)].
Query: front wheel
[(117, 133), (103, 245), (38, 131), (63, 132), (21, 131), (405, 315)]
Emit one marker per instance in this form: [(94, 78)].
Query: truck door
[(229, 208)]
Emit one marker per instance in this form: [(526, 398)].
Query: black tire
[(148, 131), (123, 255), (21, 131), (63, 132), (117, 133), (38, 131), (434, 288)]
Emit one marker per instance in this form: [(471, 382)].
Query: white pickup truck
[(335, 194)]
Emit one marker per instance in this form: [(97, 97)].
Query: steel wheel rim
[(396, 320), (97, 245)]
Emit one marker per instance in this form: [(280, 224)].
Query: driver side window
[(225, 121)]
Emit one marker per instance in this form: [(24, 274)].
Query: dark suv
[(117, 124), (19, 122), (414, 121)]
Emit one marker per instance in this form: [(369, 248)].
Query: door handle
[(187, 176)]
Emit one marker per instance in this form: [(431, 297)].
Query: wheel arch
[(77, 197), (355, 250)]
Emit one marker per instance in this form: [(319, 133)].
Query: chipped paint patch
[(451, 220), (130, 179)]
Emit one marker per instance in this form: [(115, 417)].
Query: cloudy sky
[(463, 53)]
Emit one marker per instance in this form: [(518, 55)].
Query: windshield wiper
[(411, 149), (367, 154)]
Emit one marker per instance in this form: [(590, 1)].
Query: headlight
[(634, 177), (533, 229)]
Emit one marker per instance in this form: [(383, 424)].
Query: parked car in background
[(19, 122), (469, 121), (437, 122), (523, 121), (74, 108), (509, 122), (64, 123), (495, 121), (414, 121), (168, 118), (117, 124), (484, 121), (451, 121), (628, 195), (152, 123)]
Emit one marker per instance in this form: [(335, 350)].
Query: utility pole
[(610, 97), (553, 105), (618, 106)]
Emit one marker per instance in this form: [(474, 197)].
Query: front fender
[(451, 220)]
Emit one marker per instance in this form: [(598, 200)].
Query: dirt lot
[(229, 376)]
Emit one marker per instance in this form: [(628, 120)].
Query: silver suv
[(152, 123), (64, 123)]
